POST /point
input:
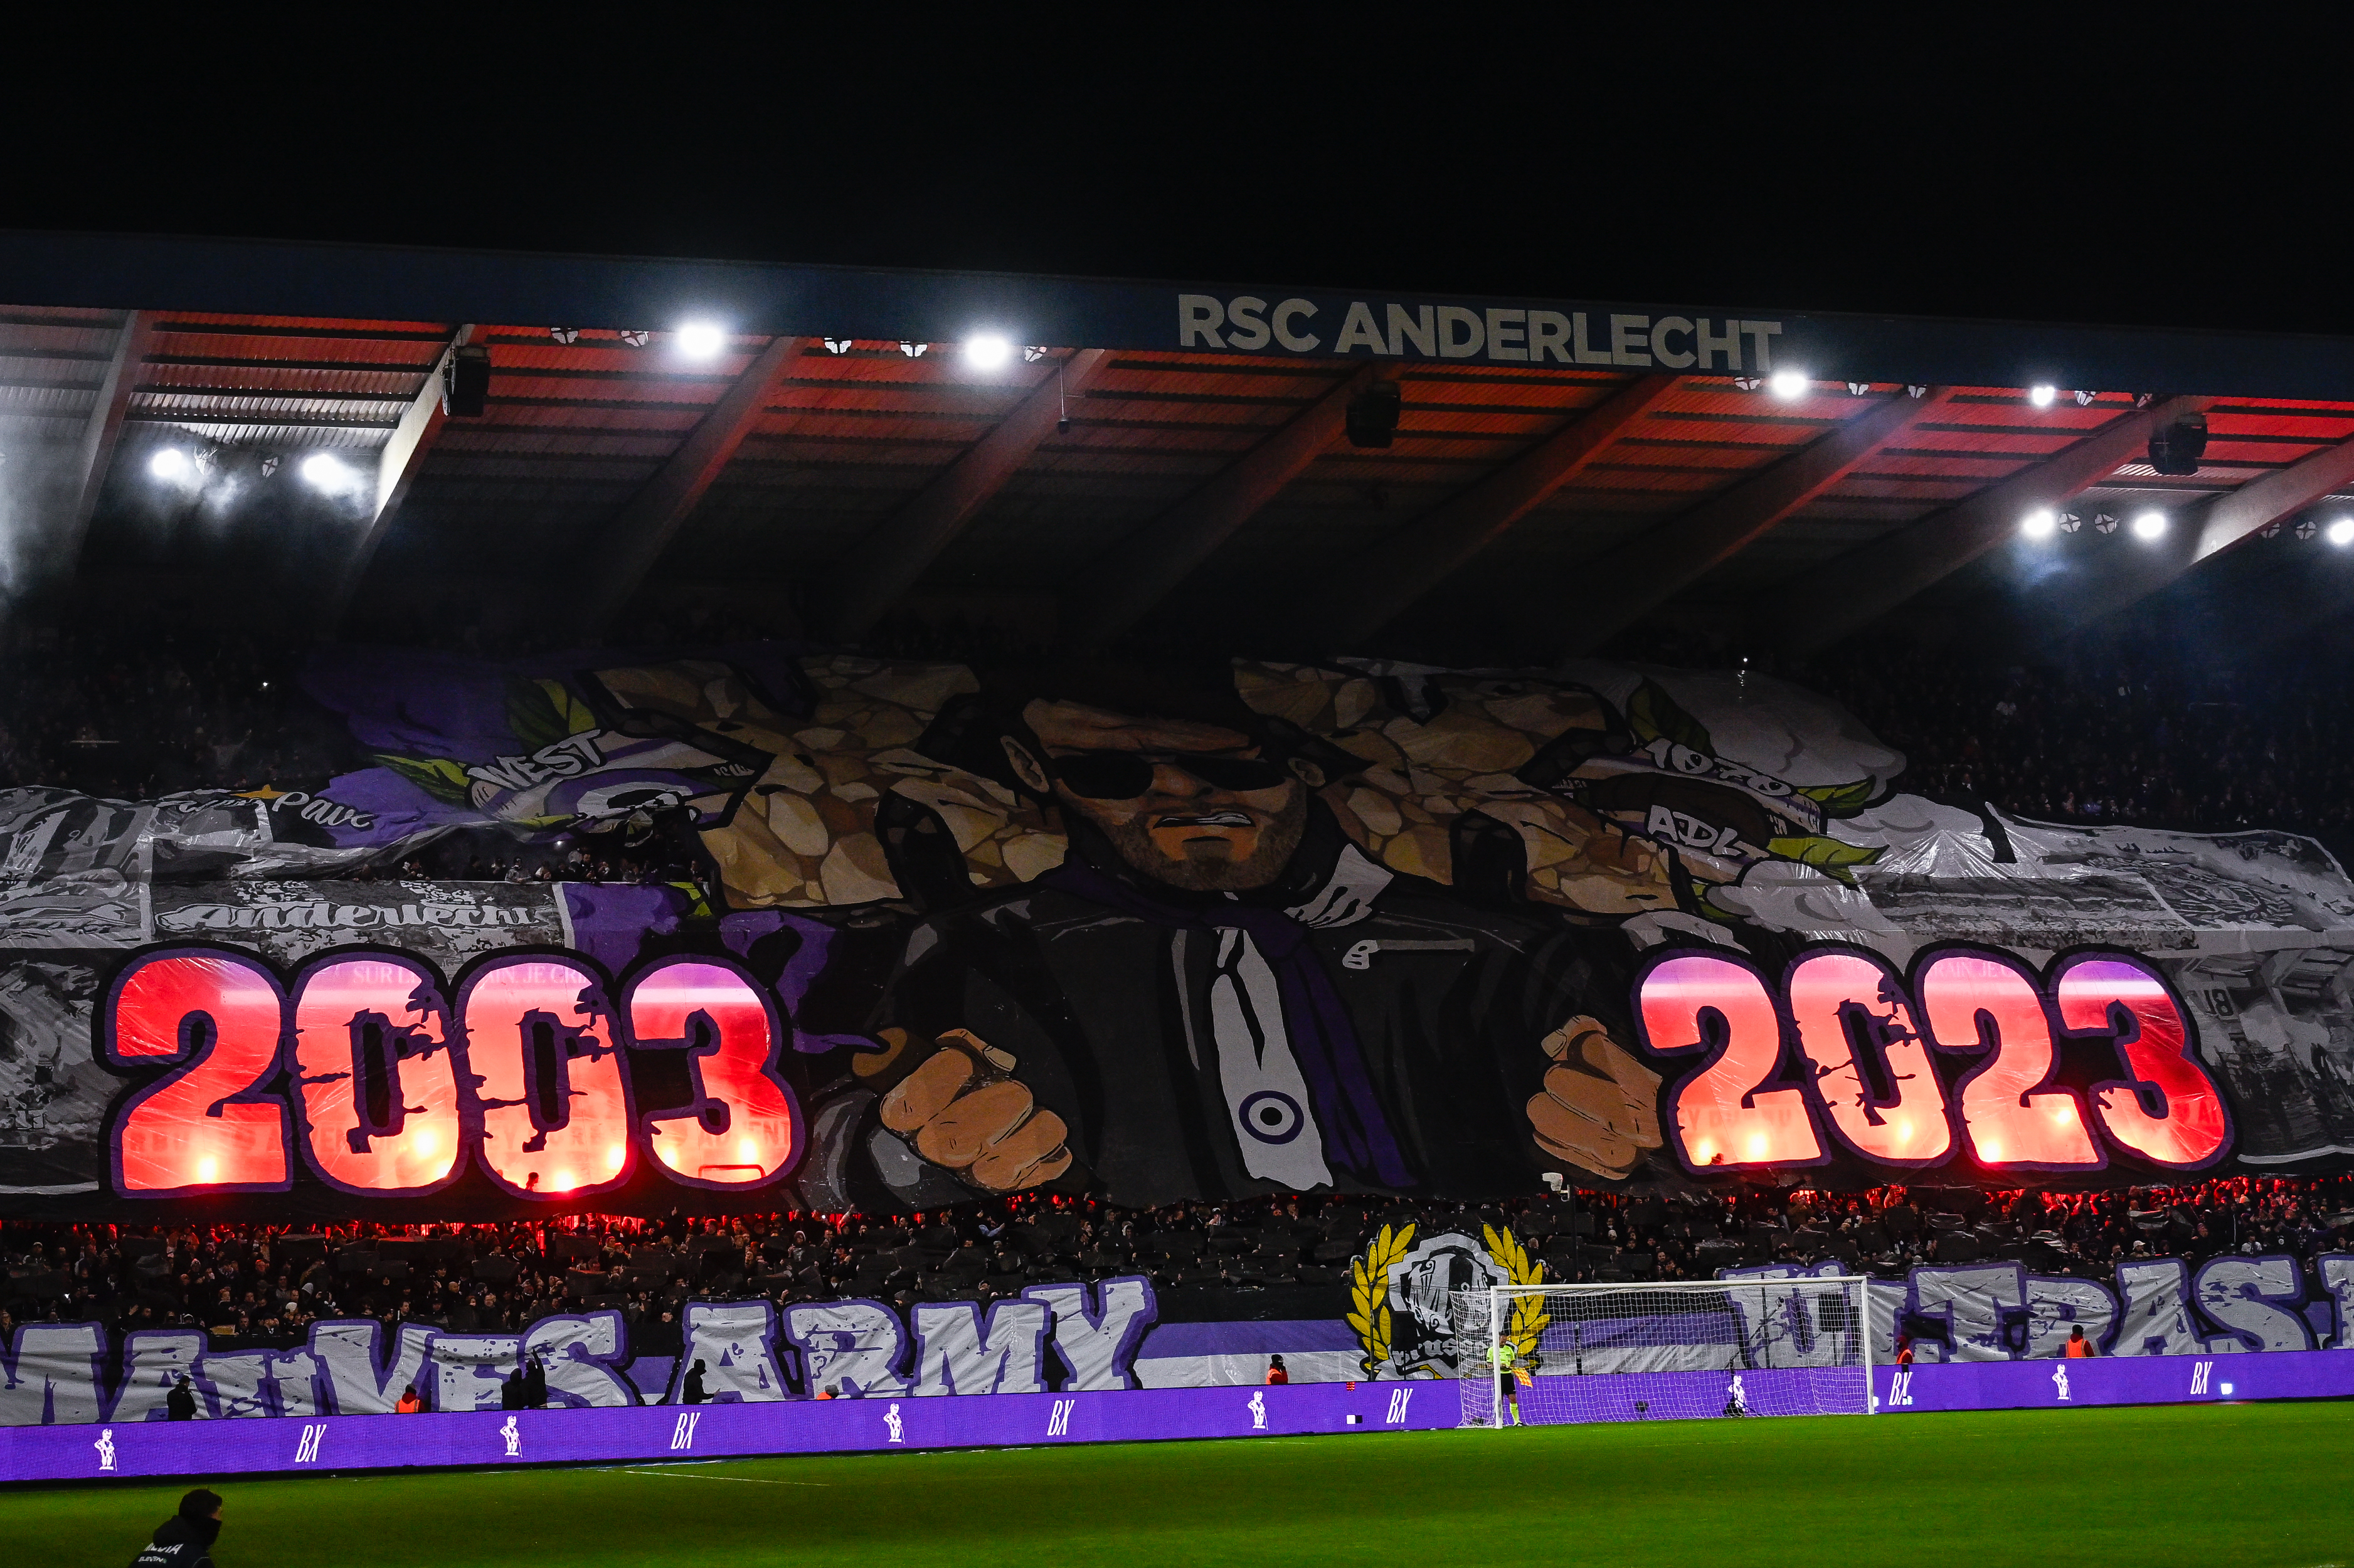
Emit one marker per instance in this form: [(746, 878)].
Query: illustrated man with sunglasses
[(1217, 994)]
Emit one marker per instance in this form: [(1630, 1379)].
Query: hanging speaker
[(466, 382)]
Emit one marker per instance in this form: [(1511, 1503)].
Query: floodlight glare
[(325, 471), (1789, 385), (169, 463), (2341, 531), (2039, 525), (699, 340), (2042, 397), (986, 350), (2149, 526)]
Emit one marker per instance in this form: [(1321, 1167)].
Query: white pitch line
[(747, 1481)]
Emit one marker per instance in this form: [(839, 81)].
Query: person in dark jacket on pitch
[(180, 1405), (185, 1539), (694, 1394), (511, 1391), (535, 1385)]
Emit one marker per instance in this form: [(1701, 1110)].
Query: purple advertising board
[(2114, 1380), (644, 1433)]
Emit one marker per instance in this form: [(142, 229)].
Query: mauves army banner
[(1146, 932)]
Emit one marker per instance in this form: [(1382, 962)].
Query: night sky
[(2151, 172)]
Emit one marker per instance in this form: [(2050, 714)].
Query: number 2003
[(388, 1089)]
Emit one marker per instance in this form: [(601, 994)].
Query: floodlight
[(1789, 385), (325, 471), (565, 334), (2042, 397), (2341, 531), (2040, 524), (2149, 526), (986, 350), (699, 340), (169, 463)]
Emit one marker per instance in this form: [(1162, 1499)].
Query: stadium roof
[(1162, 463)]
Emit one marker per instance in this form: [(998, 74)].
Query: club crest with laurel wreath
[(1401, 1295)]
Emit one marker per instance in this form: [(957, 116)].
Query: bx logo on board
[(1058, 1420)]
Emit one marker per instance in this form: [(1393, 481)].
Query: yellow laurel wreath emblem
[(1369, 1293), (1529, 1316)]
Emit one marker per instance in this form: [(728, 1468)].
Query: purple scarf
[(1323, 1040)]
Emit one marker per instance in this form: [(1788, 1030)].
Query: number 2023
[(1864, 1037)]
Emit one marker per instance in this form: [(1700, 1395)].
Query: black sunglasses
[(1125, 775)]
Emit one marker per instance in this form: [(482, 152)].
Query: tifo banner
[(1148, 933), (1076, 1337)]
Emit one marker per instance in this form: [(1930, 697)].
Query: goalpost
[(1666, 1351)]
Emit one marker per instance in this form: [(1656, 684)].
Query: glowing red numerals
[(376, 1081), (1975, 1003), (1847, 1003), (2122, 997), (555, 1105), (744, 1127), (1693, 1003), (214, 1018)]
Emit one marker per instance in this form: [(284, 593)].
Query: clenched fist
[(1599, 1109), (964, 1112)]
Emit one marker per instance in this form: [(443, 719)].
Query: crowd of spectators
[(137, 712), (2166, 742), (264, 1285)]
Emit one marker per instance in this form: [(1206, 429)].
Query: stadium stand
[(262, 1286)]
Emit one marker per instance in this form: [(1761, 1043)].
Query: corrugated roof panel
[(265, 380)]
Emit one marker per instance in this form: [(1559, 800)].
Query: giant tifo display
[(1143, 933), (1138, 935)]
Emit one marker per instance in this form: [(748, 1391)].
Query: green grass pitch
[(2247, 1485)]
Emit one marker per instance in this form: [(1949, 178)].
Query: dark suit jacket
[(1108, 1017)]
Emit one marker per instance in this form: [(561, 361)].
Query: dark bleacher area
[(2167, 738), (1284, 1258)]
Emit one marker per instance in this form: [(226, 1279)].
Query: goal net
[(1675, 1351)]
